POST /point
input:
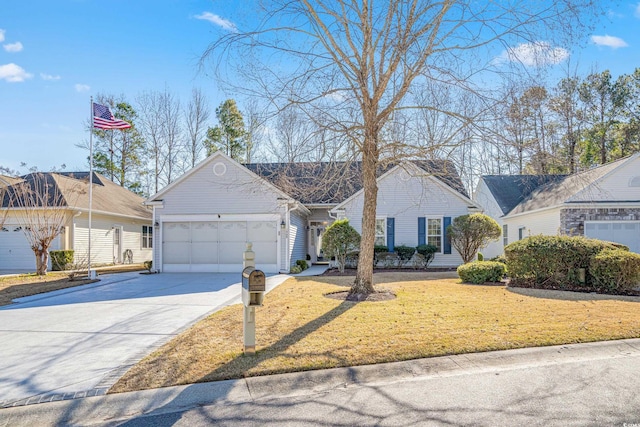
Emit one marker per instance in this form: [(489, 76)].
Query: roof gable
[(416, 171), (209, 161), (558, 191), (335, 182)]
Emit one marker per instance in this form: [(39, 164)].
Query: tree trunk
[(363, 283), (42, 257)]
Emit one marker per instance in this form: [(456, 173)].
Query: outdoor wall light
[(283, 225)]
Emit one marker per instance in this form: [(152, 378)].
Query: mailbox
[(253, 287)]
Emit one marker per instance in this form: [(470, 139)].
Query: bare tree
[(356, 62), (160, 122), (40, 203), (196, 117)]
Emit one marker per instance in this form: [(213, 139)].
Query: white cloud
[(609, 41), (13, 73), (636, 12), (13, 47), (49, 77), (82, 87), (533, 54), (2, 35), (225, 24)]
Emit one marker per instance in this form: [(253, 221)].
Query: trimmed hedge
[(405, 252), (615, 270), (428, 252), (61, 259), (553, 260), (302, 264), (482, 271)]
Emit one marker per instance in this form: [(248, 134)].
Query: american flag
[(103, 119)]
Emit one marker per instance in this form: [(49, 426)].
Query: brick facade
[(572, 220)]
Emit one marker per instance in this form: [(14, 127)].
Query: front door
[(117, 244), (316, 231)]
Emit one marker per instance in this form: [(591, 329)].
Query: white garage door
[(218, 246), (15, 252), (625, 232)]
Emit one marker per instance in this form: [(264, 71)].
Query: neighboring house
[(121, 225), (204, 219), (601, 203)]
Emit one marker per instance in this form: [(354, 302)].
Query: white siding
[(102, 245), (15, 251), (490, 207), (620, 185), (545, 222), (221, 189), (297, 238), (405, 198), (236, 191)]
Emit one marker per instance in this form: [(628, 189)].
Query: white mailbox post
[(253, 288)]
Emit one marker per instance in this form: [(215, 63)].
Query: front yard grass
[(298, 328)]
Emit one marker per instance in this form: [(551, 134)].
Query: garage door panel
[(15, 251), (176, 253), (265, 252), (233, 231), (626, 233), (204, 252), (262, 232), (204, 232), (176, 232), (210, 246), (231, 252)]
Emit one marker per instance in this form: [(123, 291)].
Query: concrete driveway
[(77, 342)]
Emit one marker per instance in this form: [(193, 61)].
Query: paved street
[(592, 384), (78, 341)]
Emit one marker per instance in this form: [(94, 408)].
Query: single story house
[(121, 227), (602, 203), (204, 219)]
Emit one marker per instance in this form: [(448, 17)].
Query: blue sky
[(55, 54)]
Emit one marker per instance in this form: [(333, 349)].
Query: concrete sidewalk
[(539, 386)]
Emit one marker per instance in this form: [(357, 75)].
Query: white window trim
[(426, 232), (505, 234), (521, 232), (384, 228), (142, 238)]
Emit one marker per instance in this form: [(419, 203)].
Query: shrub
[(295, 269), (428, 252), (377, 250), (60, 260), (404, 253), (482, 271), (615, 270), (339, 239), (552, 260), (302, 264), (352, 259), (480, 256), (472, 232), (499, 258)]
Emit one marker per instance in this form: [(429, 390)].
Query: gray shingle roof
[(510, 190), (558, 192), (69, 189), (334, 182), (522, 193)]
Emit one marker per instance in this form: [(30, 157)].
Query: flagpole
[(90, 185)]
